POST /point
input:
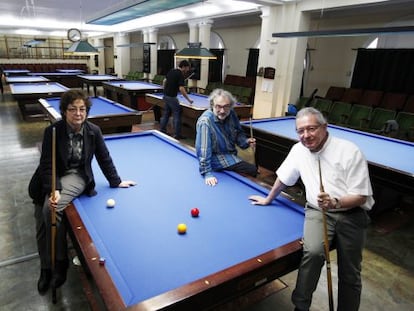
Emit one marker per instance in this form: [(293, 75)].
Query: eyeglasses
[(310, 129), (225, 107), (74, 110)]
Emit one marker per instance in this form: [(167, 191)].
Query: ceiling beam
[(344, 32)]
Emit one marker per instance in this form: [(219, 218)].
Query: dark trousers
[(244, 167), (72, 186), (172, 106)]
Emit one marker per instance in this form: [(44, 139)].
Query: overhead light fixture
[(194, 50), (34, 42), (345, 32), (81, 47), (133, 44)]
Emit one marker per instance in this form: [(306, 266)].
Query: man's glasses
[(224, 107), (310, 129)]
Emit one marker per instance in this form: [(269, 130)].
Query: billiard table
[(68, 79), (390, 160), (130, 93), (25, 79), (77, 71), (95, 80), (15, 72), (110, 116), (230, 249), (28, 94), (192, 112)]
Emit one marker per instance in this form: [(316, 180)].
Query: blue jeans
[(172, 106)]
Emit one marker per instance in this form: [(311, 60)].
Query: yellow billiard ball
[(182, 228)]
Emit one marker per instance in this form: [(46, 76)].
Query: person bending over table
[(346, 198), (77, 142), (173, 83), (1, 80), (218, 133)]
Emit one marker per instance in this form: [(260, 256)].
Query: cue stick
[(189, 76), (53, 211), (326, 244), (251, 136)]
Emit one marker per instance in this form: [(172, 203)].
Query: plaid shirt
[(216, 142)]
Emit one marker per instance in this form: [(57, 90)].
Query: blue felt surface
[(100, 106), (385, 151), (135, 85), (138, 237), (34, 88)]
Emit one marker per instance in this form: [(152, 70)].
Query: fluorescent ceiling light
[(132, 45), (34, 42), (138, 10), (345, 32)]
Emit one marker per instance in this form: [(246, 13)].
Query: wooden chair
[(351, 95), (371, 98), (393, 101), (334, 93), (409, 104)]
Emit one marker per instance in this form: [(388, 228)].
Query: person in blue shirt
[(218, 133)]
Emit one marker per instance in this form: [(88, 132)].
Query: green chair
[(137, 75), (405, 122), (246, 95), (339, 112), (304, 102), (379, 118), (359, 117), (158, 79), (323, 105), (300, 103), (130, 76)]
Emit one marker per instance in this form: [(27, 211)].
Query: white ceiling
[(46, 15), (39, 17)]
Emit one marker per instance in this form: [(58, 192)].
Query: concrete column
[(285, 55), (122, 55), (99, 42), (193, 32), (204, 37), (153, 38)]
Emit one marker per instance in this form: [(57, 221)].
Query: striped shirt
[(216, 142)]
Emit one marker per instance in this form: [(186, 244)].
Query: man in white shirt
[(346, 197)]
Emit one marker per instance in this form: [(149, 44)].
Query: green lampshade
[(81, 47), (194, 52)]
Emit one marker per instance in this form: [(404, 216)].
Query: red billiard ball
[(195, 212)]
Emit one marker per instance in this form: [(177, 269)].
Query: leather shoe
[(296, 309), (44, 281), (59, 275)]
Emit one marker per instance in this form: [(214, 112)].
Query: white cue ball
[(110, 203)]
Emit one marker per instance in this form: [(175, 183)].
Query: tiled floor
[(388, 267)]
